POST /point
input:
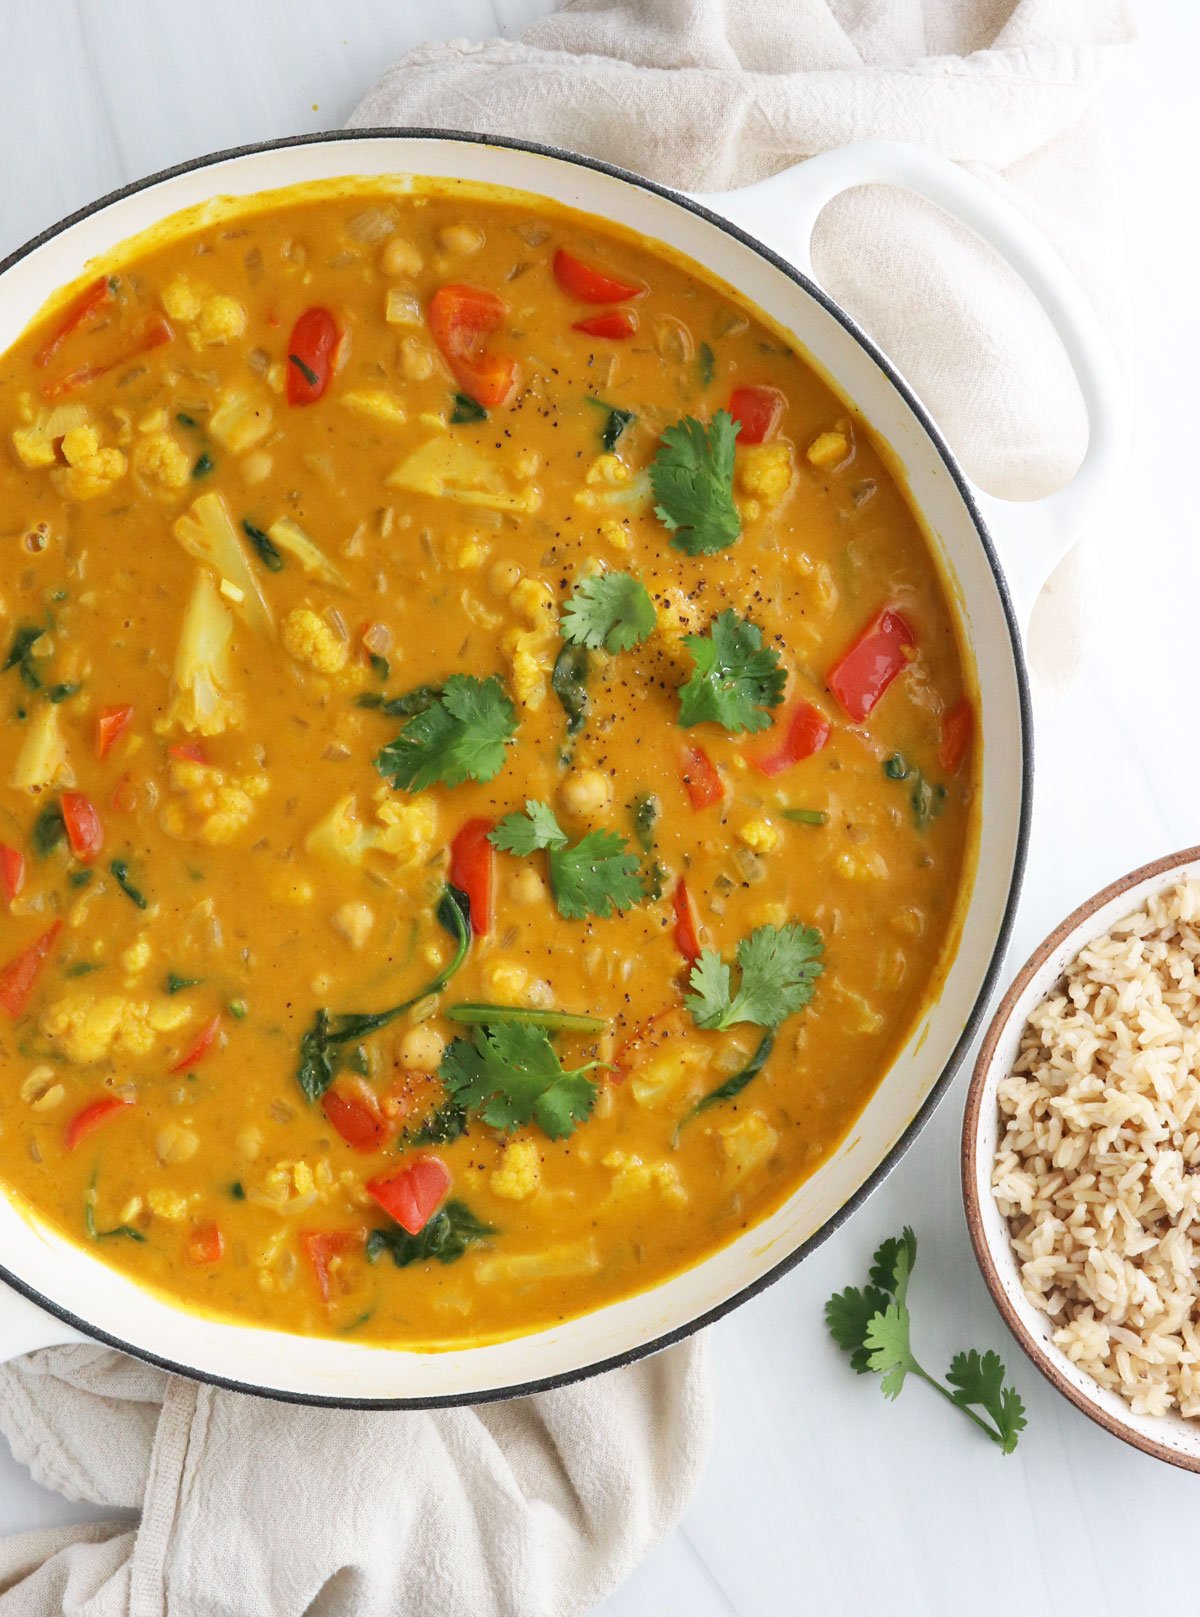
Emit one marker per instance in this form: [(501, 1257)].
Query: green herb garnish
[(609, 610), (238, 1009), (595, 877), (479, 1015), (735, 677), (264, 546), (401, 707), (779, 969), (20, 656), (446, 1237), (510, 1075), (380, 667), (237, 1191), (204, 465), (60, 693), (461, 735), (185, 420), (176, 985), (49, 830), (321, 1045), (467, 409), (645, 810), (926, 799), (309, 375), (134, 894), (93, 1234), (83, 968), (80, 878), (706, 364), (569, 682), (873, 1326), (692, 478)]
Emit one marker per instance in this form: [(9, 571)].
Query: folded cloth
[(255, 1509), (542, 1506), (708, 96)]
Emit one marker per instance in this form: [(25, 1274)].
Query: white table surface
[(819, 1496)]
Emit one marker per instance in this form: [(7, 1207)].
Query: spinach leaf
[(446, 1237), (569, 684)]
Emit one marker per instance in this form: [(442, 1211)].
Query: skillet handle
[(24, 1328), (783, 210)]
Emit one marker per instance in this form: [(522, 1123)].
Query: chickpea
[(421, 1049), (461, 239), (585, 791), (503, 577), (400, 257), (526, 886), (176, 1144)]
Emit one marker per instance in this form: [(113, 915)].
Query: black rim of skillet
[(974, 1020)]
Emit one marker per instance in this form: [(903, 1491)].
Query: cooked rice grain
[(1098, 1168)]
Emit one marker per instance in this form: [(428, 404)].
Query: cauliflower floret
[(828, 449), (519, 1175), (203, 700), (90, 470), (748, 1142), (211, 805), (533, 601), (33, 448), (137, 957), (36, 442), (760, 835), (531, 654), (181, 301), (310, 640), (221, 319), (160, 459), (240, 421), (406, 831), (612, 486), (88, 1028), (764, 471), (633, 1176), (355, 923)]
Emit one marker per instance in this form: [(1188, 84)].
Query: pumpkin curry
[(486, 773)]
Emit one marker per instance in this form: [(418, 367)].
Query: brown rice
[(1098, 1166)]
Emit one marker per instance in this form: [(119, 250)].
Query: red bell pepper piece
[(413, 1196), (472, 868), (188, 752), (958, 725), (589, 285), (153, 334), (19, 977), (84, 830), (687, 936), (205, 1246), (310, 356), (615, 324), (805, 730), (125, 795), (12, 871), (90, 1118), (90, 301), (111, 725), (354, 1112), (461, 318), (702, 778), (759, 409), (321, 1247), (203, 1043), (883, 650)]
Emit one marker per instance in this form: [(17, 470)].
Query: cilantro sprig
[(735, 678), (461, 735), (692, 478), (609, 610), (510, 1075), (873, 1326), (779, 970), (594, 877)]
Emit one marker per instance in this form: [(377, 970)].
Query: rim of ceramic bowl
[(991, 971), (1046, 1359)]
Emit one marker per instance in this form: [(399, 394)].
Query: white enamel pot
[(58, 1292)]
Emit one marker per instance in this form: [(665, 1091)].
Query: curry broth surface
[(271, 929)]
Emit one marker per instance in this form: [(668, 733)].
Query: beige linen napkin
[(540, 1507)]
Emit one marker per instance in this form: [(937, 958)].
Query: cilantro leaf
[(873, 1325), (526, 833), (734, 679), (613, 610), (848, 1313), (595, 877), (779, 966), (461, 735), (446, 1237), (510, 1074), (692, 478), (979, 1379)]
